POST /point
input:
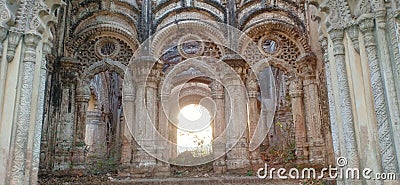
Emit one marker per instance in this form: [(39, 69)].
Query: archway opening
[(103, 117), (194, 133)]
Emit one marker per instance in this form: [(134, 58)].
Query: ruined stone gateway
[(159, 89)]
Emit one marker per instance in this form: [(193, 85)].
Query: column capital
[(237, 63), (69, 69), (337, 36), (353, 32), (144, 69), (367, 24), (13, 41), (296, 87), (31, 41)]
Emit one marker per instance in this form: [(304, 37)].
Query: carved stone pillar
[(82, 100), (344, 93), (389, 162), (39, 114), (236, 114), (144, 127), (24, 109), (219, 137), (254, 117), (388, 67), (331, 98), (316, 142), (163, 145), (296, 95), (128, 99), (92, 130)]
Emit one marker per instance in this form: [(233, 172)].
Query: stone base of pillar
[(255, 160), (78, 159), (316, 153), (302, 152), (162, 169), (219, 166), (143, 165), (132, 170), (255, 157), (238, 157)]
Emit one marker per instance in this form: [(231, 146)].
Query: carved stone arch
[(274, 62), (189, 95), (181, 72), (117, 20), (211, 31), (197, 13), (105, 30), (49, 20), (101, 66), (285, 13), (292, 32)]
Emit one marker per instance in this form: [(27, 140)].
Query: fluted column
[(345, 102), (389, 162), (296, 97), (39, 115), (24, 109), (219, 140)]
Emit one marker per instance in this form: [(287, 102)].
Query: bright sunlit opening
[(194, 133), (191, 112)]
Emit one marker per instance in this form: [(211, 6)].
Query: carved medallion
[(269, 45), (107, 48), (190, 46)]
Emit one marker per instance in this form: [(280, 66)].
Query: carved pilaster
[(128, 99), (82, 100), (344, 93), (219, 140), (24, 109), (389, 162), (39, 115), (254, 118), (296, 95), (331, 99)]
